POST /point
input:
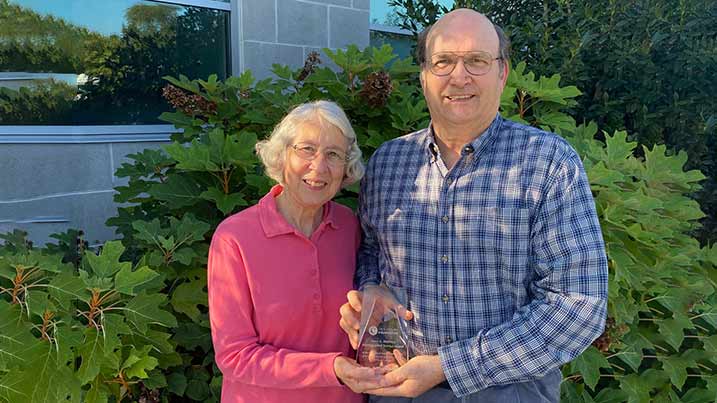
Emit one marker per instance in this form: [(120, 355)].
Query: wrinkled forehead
[(462, 36), (320, 131)]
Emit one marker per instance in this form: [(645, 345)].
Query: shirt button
[(449, 340), (444, 259), (444, 218), (445, 298), (449, 181)]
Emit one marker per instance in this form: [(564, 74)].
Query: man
[(490, 226)]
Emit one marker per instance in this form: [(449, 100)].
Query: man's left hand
[(413, 378)]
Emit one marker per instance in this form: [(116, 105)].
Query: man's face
[(461, 99)]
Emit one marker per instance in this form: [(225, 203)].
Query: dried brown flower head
[(309, 65), (190, 104), (377, 88)]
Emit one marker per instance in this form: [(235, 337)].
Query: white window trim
[(218, 5), (86, 134)]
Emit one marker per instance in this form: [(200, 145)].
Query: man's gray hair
[(503, 45), (272, 151)]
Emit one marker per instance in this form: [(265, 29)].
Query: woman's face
[(311, 183)]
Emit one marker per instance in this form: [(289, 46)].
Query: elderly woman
[(279, 271)]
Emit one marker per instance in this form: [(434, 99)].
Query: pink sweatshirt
[(274, 299)]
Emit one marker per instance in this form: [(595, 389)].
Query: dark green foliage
[(648, 67)]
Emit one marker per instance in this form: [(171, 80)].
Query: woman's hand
[(358, 378)]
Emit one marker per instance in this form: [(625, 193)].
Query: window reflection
[(402, 44), (89, 62)]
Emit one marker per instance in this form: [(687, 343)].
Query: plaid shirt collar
[(479, 144)]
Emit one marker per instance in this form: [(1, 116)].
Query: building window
[(89, 62)]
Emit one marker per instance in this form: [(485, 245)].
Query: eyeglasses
[(475, 63), (309, 152)]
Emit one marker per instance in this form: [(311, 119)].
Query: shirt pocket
[(497, 238)]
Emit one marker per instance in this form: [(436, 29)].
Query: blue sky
[(379, 9), (103, 16)]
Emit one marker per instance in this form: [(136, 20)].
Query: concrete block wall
[(286, 31), (48, 188)]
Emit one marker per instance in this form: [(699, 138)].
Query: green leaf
[(179, 191), (95, 354), (42, 380), (667, 171), (618, 149), (226, 203), (38, 302), (676, 367), (588, 364), (710, 347), (67, 339), (131, 282), (188, 296), (610, 395), (698, 395), (673, 330), (190, 336), (632, 353), (177, 383), (138, 363), (15, 335), (192, 158), (148, 231), (184, 256), (188, 230), (107, 263), (92, 282), (98, 392), (66, 287), (144, 310), (637, 388), (198, 390)]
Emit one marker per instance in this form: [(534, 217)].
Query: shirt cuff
[(327, 368), (461, 365)]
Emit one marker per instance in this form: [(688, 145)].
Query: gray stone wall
[(48, 188), (286, 31)]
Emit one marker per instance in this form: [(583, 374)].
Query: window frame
[(88, 134)]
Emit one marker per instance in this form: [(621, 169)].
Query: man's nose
[(460, 75)]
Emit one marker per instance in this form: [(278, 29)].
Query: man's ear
[(422, 77), (505, 72)]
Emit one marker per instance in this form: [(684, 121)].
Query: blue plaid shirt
[(502, 256)]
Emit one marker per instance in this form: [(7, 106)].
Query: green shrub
[(660, 341), (79, 332)]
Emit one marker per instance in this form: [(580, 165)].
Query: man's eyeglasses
[(309, 152), (475, 63)]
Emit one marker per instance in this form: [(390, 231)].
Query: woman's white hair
[(272, 151)]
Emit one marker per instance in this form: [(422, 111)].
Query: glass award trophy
[(382, 329)]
